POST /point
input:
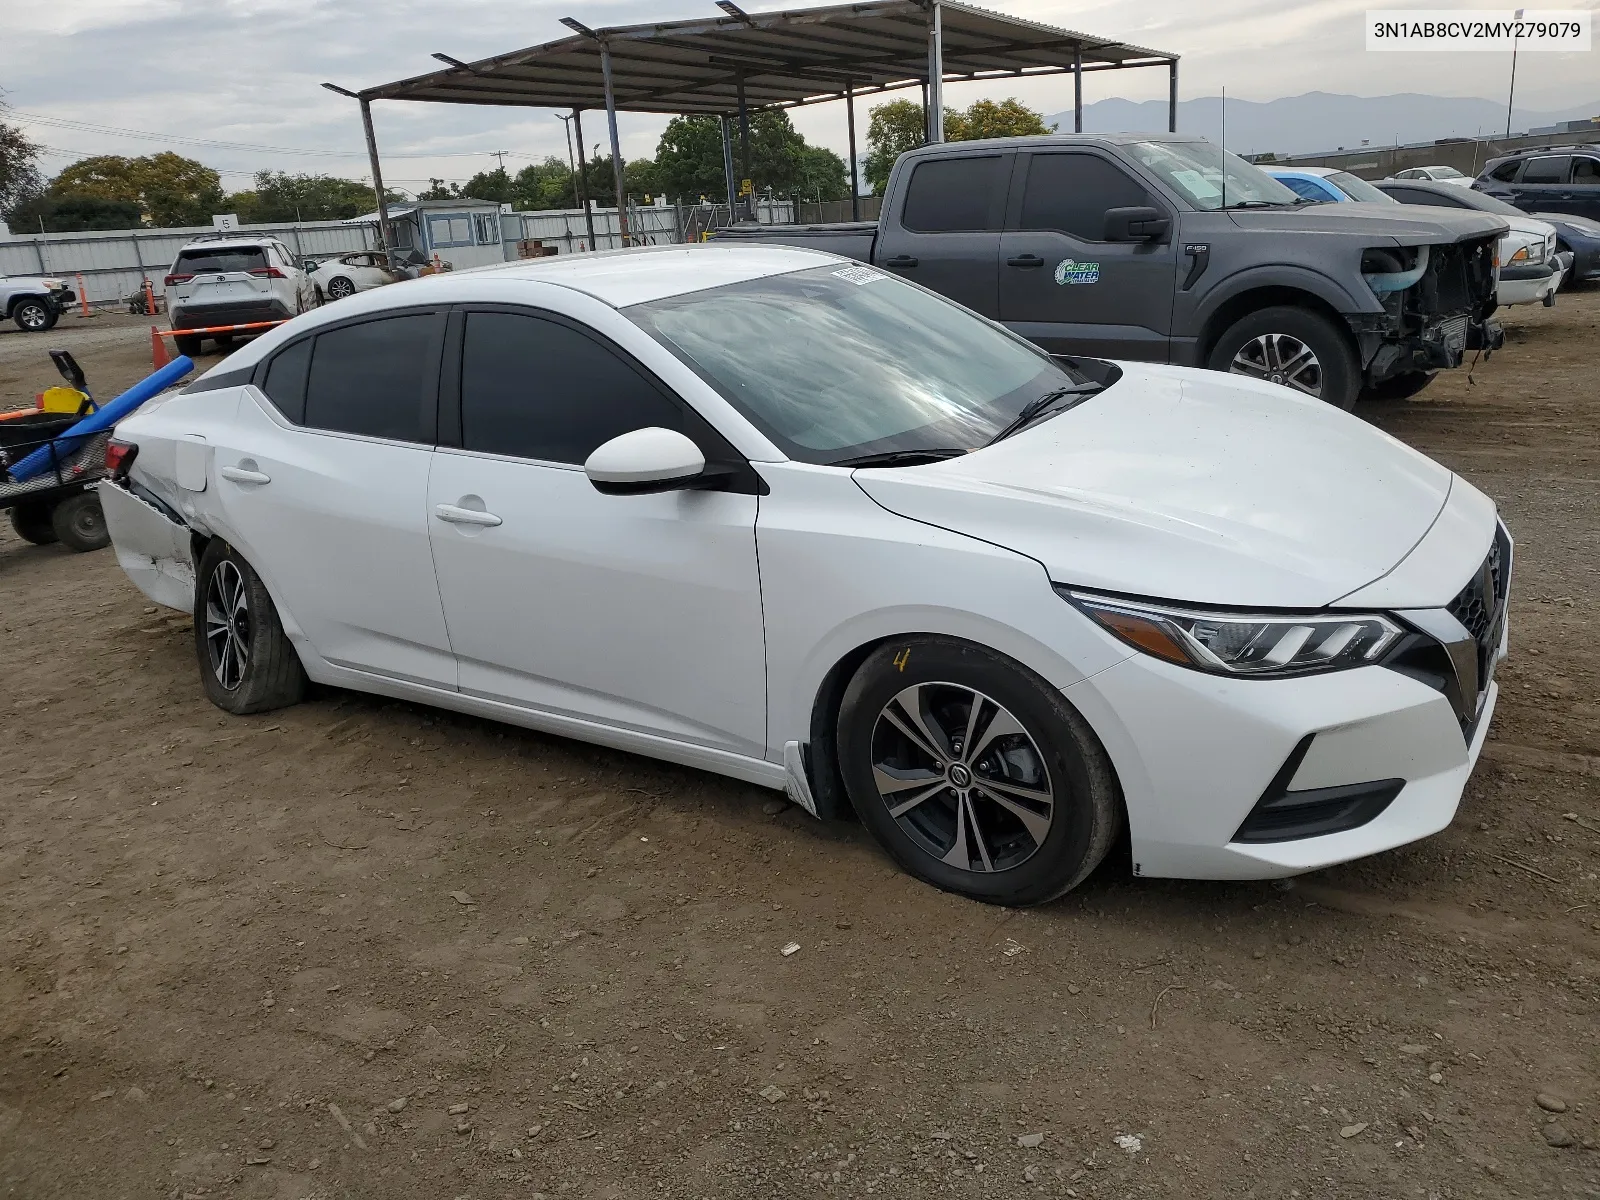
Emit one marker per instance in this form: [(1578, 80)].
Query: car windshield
[(839, 362), (1436, 172), (1209, 177), (1357, 188)]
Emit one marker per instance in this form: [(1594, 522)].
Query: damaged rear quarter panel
[(151, 547)]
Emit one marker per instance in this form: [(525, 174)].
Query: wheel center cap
[(960, 776), (1276, 377)]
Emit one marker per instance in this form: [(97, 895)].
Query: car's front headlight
[(1252, 645), (52, 285), (1529, 254)]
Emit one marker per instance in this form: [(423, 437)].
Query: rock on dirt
[(1550, 1103)]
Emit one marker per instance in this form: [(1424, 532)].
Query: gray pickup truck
[(1163, 248)]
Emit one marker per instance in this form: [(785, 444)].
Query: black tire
[(1052, 753), (247, 663), (79, 524), (1337, 375), (1399, 387), (32, 523), (189, 344), (34, 316), (339, 287)]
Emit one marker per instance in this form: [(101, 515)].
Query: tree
[(19, 171), (74, 214), (986, 119), (892, 129), (170, 189), (689, 160), (822, 175), (438, 189), (279, 196), (492, 185), (547, 184)]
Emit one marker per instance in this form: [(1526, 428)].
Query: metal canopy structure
[(723, 66)]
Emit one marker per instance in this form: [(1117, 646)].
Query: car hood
[(1406, 224), (1188, 485)]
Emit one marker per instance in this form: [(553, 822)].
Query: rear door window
[(220, 260), (1070, 193), (1547, 170), (1585, 171), (285, 380), (374, 378), (532, 387), (962, 193)]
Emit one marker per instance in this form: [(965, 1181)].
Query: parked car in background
[(1439, 174), (1531, 267), (348, 274), (1005, 606), (1553, 179), (1164, 247), (233, 279), (34, 302), (1326, 185), (1579, 237)]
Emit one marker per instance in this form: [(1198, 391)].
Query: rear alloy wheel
[(247, 663), (973, 773), (1399, 387), (1293, 347), (79, 523), (339, 287), (32, 523), (33, 316)]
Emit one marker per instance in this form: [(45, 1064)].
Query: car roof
[(1319, 172), (232, 241)]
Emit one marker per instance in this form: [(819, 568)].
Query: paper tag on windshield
[(1199, 186), (860, 275)]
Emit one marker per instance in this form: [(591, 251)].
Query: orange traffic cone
[(158, 350)]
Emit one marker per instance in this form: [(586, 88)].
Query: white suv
[(233, 279)]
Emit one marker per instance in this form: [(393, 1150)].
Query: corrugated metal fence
[(115, 263)]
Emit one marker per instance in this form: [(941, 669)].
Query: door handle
[(456, 515), (244, 475), (901, 262), (1025, 261)]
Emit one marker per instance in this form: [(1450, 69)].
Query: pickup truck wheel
[(33, 316), (247, 662), (188, 344), (79, 524), (1399, 387), (32, 523), (1293, 347), (974, 773)]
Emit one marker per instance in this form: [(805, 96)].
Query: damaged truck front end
[(1437, 304)]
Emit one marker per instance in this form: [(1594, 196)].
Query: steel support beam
[(1077, 91), (935, 72), (744, 152), (616, 146), (850, 127), (583, 177), (377, 178), (1172, 97), (727, 164)]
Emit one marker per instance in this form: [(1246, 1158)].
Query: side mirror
[(1139, 223), (311, 264), (68, 367), (645, 460)]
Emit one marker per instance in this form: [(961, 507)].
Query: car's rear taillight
[(172, 279), (268, 272), (119, 457)]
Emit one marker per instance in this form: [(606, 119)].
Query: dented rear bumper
[(152, 546)]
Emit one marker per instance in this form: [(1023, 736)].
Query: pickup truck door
[(1064, 287), (941, 228)]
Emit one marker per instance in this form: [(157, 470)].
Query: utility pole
[(566, 124), (1511, 93), (501, 156)]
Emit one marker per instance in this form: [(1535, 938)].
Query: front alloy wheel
[(1282, 359), (961, 777)]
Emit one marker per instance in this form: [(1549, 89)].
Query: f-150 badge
[(1068, 271)]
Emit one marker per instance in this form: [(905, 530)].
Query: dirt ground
[(363, 949)]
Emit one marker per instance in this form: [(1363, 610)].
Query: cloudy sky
[(87, 76)]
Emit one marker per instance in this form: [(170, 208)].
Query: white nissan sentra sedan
[(783, 517)]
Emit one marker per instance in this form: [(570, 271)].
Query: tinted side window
[(952, 194), (1403, 194), (1584, 171), (285, 382), (1505, 172), (371, 378), (1439, 198), (1547, 170), (535, 388), (1071, 192)]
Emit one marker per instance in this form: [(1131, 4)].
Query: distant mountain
[(1319, 120)]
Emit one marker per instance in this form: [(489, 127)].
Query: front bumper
[(1527, 285), (62, 299), (1442, 344)]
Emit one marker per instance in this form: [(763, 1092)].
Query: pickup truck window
[(1195, 170), (837, 362), (951, 194), (1071, 193)]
